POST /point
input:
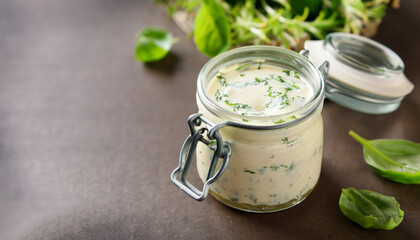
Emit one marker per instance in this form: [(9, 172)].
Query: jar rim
[(261, 52)]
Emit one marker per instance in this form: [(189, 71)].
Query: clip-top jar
[(263, 158)]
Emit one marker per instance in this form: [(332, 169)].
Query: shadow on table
[(167, 65)]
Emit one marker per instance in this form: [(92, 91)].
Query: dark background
[(89, 136)]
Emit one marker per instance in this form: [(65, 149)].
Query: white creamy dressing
[(259, 89), (269, 169)]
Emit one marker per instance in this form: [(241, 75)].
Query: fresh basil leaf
[(211, 29), (153, 44), (370, 209), (396, 160)]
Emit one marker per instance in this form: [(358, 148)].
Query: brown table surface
[(89, 136)]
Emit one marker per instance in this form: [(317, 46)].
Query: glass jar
[(255, 163)]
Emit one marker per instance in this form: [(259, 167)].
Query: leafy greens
[(211, 29), (394, 159), (224, 24), (153, 44), (370, 209)]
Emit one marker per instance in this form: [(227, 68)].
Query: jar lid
[(364, 75)]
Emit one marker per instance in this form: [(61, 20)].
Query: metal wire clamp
[(222, 151)]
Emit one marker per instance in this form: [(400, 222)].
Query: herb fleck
[(259, 80), (253, 198), (222, 80), (291, 167), (239, 106), (212, 143), (275, 167), (249, 171), (279, 121), (287, 141), (242, 66), (272, 93), (220, 96), (281, 79), (224, 98)]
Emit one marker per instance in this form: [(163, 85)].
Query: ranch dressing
[(259, 89), (269, 170)]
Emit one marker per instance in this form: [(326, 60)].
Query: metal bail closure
[(324, 68), (222, 151)]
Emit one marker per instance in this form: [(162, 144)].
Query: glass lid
[(364, 75)]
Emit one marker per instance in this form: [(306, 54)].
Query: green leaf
[(152, 44), (211, 29), (314, 6), (397, 160), (370, 209)]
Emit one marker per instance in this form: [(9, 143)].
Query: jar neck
[(275, 56)]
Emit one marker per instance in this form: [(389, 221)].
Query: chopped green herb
[(222, 80), (242, 66), (281, 79), (279, 121), (259, 66), (272, 93), (241, 84), (249, 171), (285, 99), (245, 120), (239, 106), (259, 80), (225, 98), (277, 167), (291, 167), (287, 141), (233, 199), (242, 74), (212, 143), (220, 97), (300, 98), (253, 198), (287, 72), (293, 117)]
